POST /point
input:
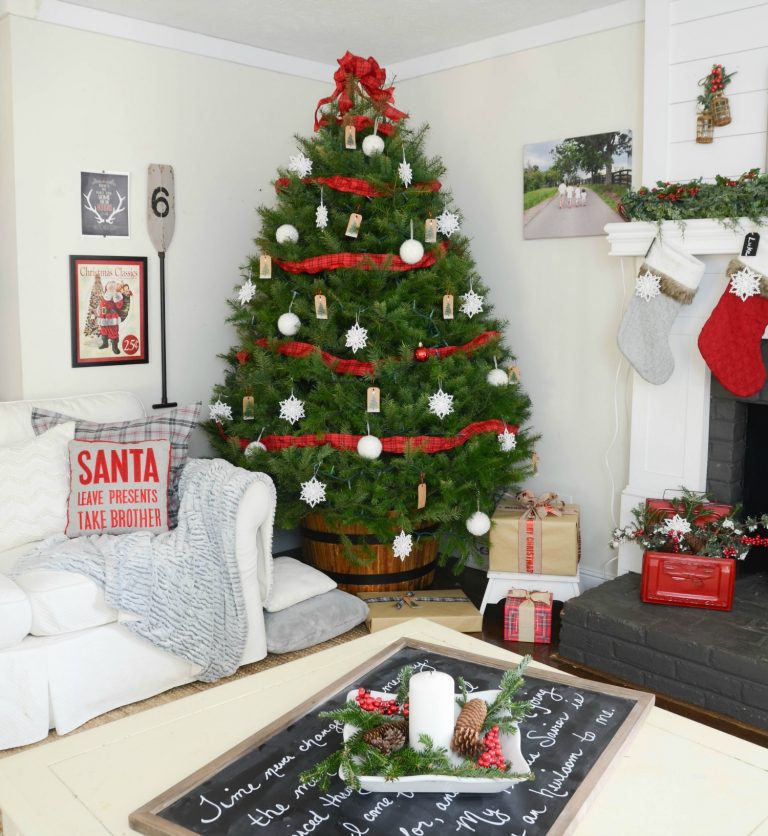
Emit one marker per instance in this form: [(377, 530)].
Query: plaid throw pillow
[(176, 425)]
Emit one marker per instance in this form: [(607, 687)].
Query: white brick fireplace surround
[(670, 423)]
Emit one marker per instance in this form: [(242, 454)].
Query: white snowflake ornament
[(402, 545), (745, 283), (321, 216), (647, 286), (247, 292), (357, 338), (447, 223), (313, 492), (676, 525), (220, 411), (292, 409), (472, 303), (405, 172), (300, 164), (507, 441), (441, 403)]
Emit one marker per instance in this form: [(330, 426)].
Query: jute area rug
[(270, 661)]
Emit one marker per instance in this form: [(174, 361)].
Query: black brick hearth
[(716, 660)]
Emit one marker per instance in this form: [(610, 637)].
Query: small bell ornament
[(411, 251), (373, 144), (286, 233)]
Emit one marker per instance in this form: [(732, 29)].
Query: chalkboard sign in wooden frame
[(574, 733)]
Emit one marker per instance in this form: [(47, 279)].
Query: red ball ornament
[(421, 353), (243, 357)]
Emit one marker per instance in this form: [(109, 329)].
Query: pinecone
[(388, 737), (466, 736)]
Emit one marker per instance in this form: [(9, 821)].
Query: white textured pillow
[(34, 486), (294, 582)]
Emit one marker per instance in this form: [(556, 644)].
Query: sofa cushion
[(294, 582), (62, 602), (15, 416), (15, 613), (34, 483), (175, 425), (118, 488), (313, 621)]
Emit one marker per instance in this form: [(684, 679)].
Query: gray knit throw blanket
[(183, 586)]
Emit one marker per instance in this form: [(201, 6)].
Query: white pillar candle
[(431, 701)]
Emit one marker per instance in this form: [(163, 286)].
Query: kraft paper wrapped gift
[(535, 535), (449, 607), (528, 616)]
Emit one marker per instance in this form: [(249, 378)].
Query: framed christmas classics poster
[(108, 306), (104, 207)]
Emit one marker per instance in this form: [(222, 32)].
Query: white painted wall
[(10, 358), (563, 298), (87, 101), (732, 33)]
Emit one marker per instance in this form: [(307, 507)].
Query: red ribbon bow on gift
[(540, 506), (370, 77)]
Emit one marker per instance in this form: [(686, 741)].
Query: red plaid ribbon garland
[(364, 261), (393, 444), (354, 185), (540, 619), (360, 368)]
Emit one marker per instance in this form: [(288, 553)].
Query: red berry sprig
[(370, 703), (492, 755), (757, 540)]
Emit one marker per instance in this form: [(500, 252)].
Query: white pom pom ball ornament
[(253, 448), (411, 251), (288, 324), (285, 233), (479, 524), (369, 447), (497, 376), (373, 145)]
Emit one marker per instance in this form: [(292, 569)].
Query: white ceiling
[(322, 30)]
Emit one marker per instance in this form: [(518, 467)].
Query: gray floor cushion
[(313, 621)]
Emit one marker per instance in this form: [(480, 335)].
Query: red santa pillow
[(118, 487)]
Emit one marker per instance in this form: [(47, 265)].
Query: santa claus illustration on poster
[(108, 310)]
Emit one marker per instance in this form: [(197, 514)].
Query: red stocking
[(730, 341)]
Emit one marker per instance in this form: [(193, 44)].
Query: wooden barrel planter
[(322, 548)]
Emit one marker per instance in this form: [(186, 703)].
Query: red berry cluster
[(716, 78), (757, 540), (729, 551), (492, 755), (377, 704)]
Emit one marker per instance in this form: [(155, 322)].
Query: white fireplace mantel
[(669, 431), (701, 236)]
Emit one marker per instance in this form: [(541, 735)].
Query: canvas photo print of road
[(572, 186)]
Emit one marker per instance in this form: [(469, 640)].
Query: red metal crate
[(688, 580), (712, 510)]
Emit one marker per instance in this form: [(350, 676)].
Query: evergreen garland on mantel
[(726, 200)]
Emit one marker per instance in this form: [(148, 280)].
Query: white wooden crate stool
[(562, 587)]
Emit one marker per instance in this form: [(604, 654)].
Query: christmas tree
[(370, 379), (91, 327)]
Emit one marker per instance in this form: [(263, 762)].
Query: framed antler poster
[(108, 298), (104, 206)]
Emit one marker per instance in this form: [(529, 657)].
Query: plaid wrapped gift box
[(528, 616)]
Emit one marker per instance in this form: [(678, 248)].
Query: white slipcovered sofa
[(64, 657)]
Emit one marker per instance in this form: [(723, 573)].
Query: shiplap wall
[(733, 33)]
